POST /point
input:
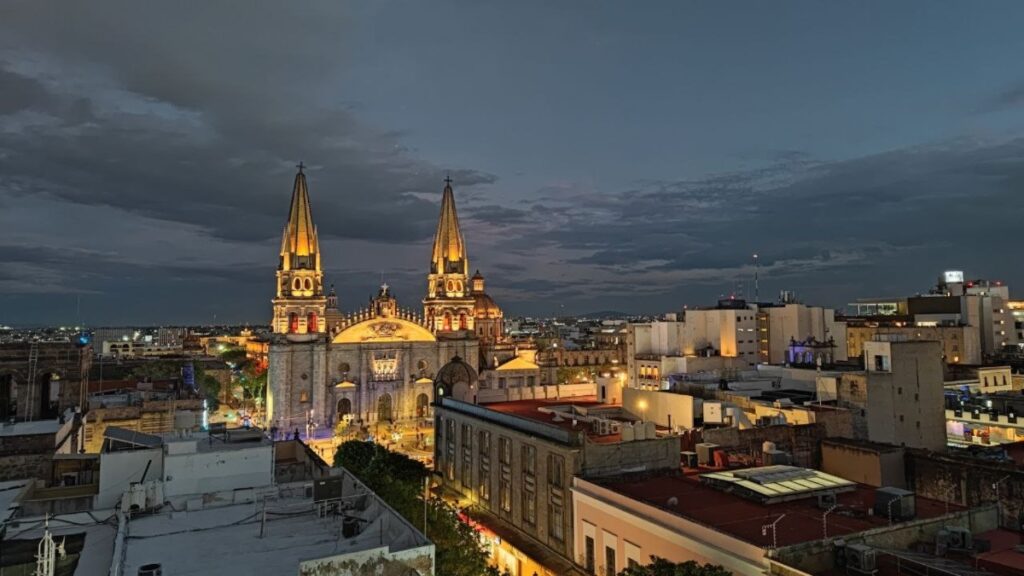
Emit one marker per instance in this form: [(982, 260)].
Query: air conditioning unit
[(860, 559), (706, 453), (959, 538), (894, 503), (775, 458), (689, 459)]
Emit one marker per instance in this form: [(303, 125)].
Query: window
[(505, 447), (588, 554), (449, 442), (609, 561), (484, 448), (556, 471), (505, 495), (555, 521), (529, 459), (529, 505)]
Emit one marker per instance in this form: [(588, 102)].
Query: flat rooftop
[(227, 539), (743, 518), (545, 412), (29, 428)]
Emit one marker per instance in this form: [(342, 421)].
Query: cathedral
[(378, 363)]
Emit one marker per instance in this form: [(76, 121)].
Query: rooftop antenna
[(756, 294)]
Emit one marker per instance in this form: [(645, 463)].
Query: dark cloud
[(147, 155)]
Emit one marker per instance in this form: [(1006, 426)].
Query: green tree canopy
[(399, 480), (662, 567)]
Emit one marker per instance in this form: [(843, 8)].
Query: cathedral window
[(297, 284), (311, 323), (308, 283), (293, 322), (451, 286), (462, 321), (447, 321)]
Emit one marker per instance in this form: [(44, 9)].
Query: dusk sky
[(605, 156)]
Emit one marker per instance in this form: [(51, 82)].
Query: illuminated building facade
[(449, 305), (376, 364), (299, 305)]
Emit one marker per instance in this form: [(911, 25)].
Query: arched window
[(344, 407), (462, 321), (297, 284), (421, 405), (293, 322), (308, 283), (311, 323), (447, 321)]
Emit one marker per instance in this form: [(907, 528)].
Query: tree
[(662, 567), (398, 480)]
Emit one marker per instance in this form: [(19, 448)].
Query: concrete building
[(960, 344), (755, 521), (899, 397), (780, 325), (973, 318), (514, 462), (729, 329), (199, 505)]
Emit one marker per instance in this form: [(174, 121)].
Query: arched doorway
[(384, 408), (422, 401), (49, 395), (344, 407)]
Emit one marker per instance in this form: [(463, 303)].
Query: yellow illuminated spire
[(449, 255), (299, 246)]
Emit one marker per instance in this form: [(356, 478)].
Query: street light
[(642, 404)]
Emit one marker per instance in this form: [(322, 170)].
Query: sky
[(605, 155)]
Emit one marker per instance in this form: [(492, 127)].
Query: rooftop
[(743, 518), (28, 428), (294, 532), (560, 414)]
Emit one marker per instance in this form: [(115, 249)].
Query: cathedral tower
[(300, 303), (448, 306)]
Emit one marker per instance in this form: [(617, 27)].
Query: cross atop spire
[(300, 166), (448, 178)]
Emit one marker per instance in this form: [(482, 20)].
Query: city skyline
[(596, 168)]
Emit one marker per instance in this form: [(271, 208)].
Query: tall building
[(300, 304), (449, 304), (899, 397), (375, 364)]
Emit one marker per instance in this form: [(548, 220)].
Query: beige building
[(754, 521), (899, 397), (515, 461), (959, 344), (780, 326)]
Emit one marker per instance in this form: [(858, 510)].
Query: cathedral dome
[(455, 372), (485, 307)]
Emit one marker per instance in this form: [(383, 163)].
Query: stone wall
[(26, 456), (968, 481), (818, 556)]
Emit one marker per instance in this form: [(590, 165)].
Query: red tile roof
[(743, 519)]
